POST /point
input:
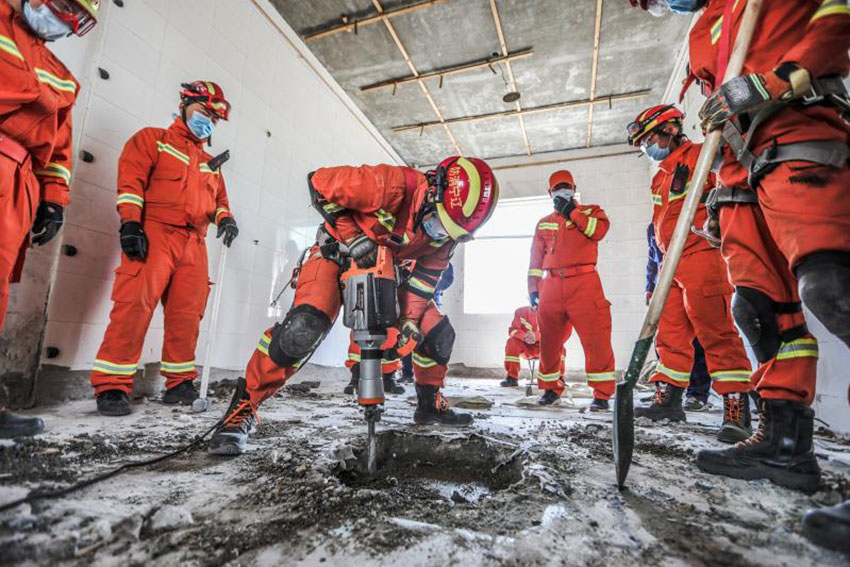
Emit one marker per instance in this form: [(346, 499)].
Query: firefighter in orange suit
[(37, 94), (390, 364), (169, 191), (562, 278), (699, 300), (781, 214), (523, 341), (415, 216)]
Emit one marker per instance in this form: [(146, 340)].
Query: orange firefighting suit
[(803, 207), (37, 94), (699, 300), (164, 182), (523, 323), (379, 201), (390, 362), (563, 271)]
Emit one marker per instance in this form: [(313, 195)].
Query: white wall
[(289, 117), (615, 178)]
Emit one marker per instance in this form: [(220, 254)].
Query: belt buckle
[(812, 97)]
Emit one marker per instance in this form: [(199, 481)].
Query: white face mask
[(434, 228), (565, 193)]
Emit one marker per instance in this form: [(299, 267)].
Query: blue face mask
[(44, 23), (661, 7), (434, 228), (201, 125), (655, 152)]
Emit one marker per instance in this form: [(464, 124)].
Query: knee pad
[(300, 333), (437, 344), (824, 284), (755, 313)]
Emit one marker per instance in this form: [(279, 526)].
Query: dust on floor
[(523, 487)]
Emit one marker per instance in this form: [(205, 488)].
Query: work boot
[(736, 419), (406, 378), (183, 393), (13, 426), (692, 403), (509, 382), (113, 402), (666, 404), (548, 398), (829, 527), (779, 450), (355, 380), (390, 387), (598, 404), (232, 435), (432, 408)]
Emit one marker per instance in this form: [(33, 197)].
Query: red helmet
[(561, 177), (650, 119), (465, 193), (79, 15), (207, 93)]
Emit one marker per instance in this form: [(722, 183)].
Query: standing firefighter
[(699, 299), (169, 191), (782, 214), (37, 94), (562, 277), (417, 217), (524, 341)]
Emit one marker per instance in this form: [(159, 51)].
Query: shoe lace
[(441, 403), (241, 414), (754, 439), (733, 409), (658, 399)]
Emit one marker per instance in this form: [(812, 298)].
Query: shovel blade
[(200, 405), (624, 411)]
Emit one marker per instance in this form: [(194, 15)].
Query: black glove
[(227, 227), (565, 205), (363, 251), (534, 298), (48, 220), (134, 243)]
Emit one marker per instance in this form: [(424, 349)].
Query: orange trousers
[(19, 198), (318, 286), (699, 305), (516, 348), (803, 208), (390, 362), (175, 272), (578, 301)]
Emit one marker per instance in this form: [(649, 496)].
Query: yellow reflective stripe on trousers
[(8, 45), (114, 368), (53, 169), (263, 347), (801, 348), (535, 273), (131, 199), (177, 367), (554, 376), (591, 226), (423, 361), (601, 376), (674, 374), (49, 78), (731, 376), (172, 151)]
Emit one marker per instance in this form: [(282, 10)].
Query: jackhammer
[(370, 307)]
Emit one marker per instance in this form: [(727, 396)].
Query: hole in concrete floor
[(461, 469)]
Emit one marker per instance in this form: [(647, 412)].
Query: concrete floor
[(523, 487)]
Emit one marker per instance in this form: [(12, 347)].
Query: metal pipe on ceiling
[(381, 16)]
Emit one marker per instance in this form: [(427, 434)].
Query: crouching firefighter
[(781, 209), (416, 216)]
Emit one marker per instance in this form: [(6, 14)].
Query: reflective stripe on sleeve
[(53, 169), (535, 273), (591, 226), (131, 199)]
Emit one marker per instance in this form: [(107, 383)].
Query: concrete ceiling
[(636, 53)]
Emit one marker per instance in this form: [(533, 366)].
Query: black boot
[(829, 527), (432, 408), (113, 403), (736, 419), (183, 393), (355, 380), (780, 450), (667, 404), (548, 398), (390, 387), (232, 435), (599, 405), (406, 378), (13, 426), (509, 382)]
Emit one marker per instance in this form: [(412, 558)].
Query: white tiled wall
[(619, 183), (288, 118)]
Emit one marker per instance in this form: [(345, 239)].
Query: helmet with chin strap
[(650, 119), (209, 94), (463, 192), (79, 15)]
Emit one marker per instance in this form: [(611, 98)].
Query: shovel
[(624, 425)]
